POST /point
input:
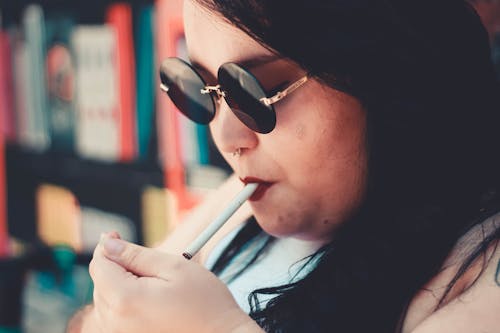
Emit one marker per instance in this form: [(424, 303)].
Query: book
[(7, 112), (119, 16), (4, 65), (37, 135), (145, 79), (3, 203), (158, 206), (60, 82), (20, 75), (96, 221), (58, 216), (96, 101), (61, 220)]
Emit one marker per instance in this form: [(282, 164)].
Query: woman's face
[(315, 157)]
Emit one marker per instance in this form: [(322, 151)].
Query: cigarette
[(212, 228)]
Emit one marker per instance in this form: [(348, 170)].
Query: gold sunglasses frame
[(267, 101)]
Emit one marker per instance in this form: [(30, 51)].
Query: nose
[(229, 133)]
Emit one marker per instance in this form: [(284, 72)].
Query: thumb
[(139, 260)]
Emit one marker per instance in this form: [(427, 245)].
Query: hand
[(137, 289), (82, 321)]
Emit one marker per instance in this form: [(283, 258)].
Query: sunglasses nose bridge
[(214, 90)]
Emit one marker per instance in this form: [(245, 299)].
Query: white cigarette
[(212, 228)]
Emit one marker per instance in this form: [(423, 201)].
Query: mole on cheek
[(300, 132)]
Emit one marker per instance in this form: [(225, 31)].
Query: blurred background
[(88, 144)]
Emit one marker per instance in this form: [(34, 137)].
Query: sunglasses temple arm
[(281, 94), (164, 87)]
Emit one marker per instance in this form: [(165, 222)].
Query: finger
[(141, 261), (111, 281), (114, 314), (114, 234), (104, 235)]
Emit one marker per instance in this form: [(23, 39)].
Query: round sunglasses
[(240, 89)]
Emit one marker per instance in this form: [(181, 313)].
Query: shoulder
[(475, 310), (474, 303)]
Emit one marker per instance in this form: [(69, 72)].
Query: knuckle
[(132, 255)]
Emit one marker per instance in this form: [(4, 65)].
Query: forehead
[(212, 41)]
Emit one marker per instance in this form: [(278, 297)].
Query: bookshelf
[(76, 161), (104, 154), (89, 11), (98, 177), (113, 187)]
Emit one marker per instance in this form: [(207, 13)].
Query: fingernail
[(113, 246), (114, 234)]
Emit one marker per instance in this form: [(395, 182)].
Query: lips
[(261, 189)]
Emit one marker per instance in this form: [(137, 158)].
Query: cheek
[(322, 145), (321, 134)]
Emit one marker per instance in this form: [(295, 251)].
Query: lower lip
[(260, 191)]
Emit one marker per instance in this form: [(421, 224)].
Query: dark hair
[(423, 72)]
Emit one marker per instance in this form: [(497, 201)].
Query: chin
[(276, 226)]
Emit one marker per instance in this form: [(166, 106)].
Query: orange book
[(119, 16), (169, 30), (58, 216), (159, 216)]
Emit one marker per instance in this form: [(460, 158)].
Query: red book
[(169, 30), (119, 16), (8, 127)]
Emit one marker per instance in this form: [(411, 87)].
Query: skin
[(317, 160), (473, 306)]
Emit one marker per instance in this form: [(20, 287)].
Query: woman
[(379, 166)]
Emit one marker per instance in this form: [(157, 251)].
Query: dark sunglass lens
[(243, 94), (184, 89)]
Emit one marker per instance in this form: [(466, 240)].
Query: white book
[(37, 136), (96, 221), (96, 100)]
